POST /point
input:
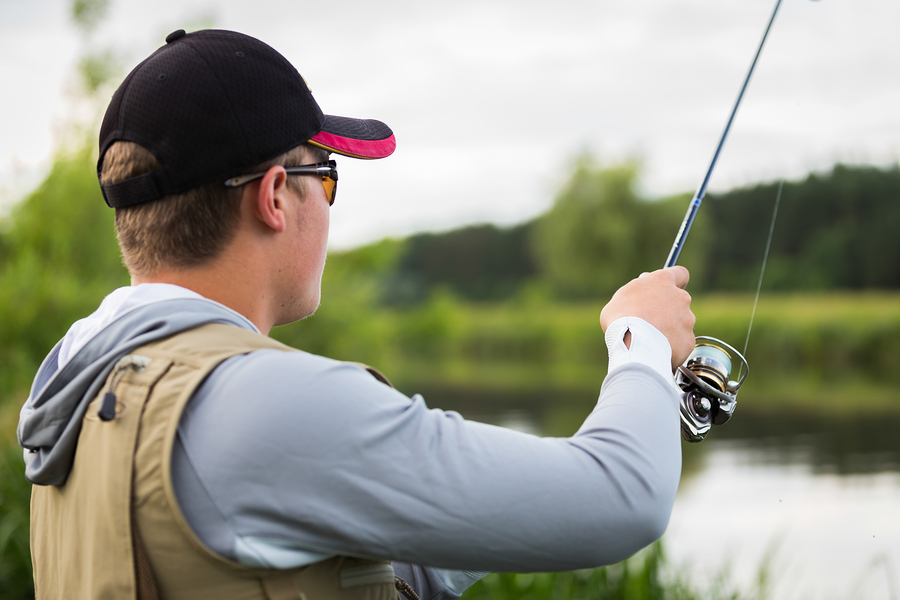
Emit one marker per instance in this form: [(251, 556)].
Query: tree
[(599, 233)]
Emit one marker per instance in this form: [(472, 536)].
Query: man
[(178, 452)]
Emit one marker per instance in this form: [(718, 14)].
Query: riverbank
[(834, 352)]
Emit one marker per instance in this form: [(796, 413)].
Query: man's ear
[(269, 199)]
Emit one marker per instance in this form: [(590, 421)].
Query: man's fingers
[(681, 276)]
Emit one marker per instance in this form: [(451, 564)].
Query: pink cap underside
[(355, 148)]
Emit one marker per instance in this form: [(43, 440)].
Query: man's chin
[(299, 314), (310, 313)]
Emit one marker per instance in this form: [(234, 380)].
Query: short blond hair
[(180, 230)]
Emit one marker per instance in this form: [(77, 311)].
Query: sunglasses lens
[(330, 186)]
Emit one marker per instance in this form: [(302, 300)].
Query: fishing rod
[(709, 396)]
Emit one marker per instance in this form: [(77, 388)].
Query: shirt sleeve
[(284, 458), (648, 346)]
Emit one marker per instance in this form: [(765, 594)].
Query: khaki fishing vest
[(115, 530)]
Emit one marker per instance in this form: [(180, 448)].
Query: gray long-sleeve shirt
[(283, 459)]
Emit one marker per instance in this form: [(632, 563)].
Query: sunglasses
[(327, 171)]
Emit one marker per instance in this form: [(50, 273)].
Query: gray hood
[(50, 420)]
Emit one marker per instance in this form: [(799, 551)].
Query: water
[(812, 500), (823, 534)]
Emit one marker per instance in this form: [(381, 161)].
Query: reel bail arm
[(709, 396)]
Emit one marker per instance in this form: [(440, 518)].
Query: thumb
[(680, 275)]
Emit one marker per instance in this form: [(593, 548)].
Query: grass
[(646, 576)]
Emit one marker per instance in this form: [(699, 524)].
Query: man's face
[(306, 244)]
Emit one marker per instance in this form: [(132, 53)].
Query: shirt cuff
[(648, 346)]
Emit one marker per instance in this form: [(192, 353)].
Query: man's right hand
[(660, 299)]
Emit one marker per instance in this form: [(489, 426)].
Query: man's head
[(187, 229), (205, 107)]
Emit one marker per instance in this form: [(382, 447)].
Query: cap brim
[(357, 138)]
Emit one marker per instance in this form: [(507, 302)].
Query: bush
[(15, 556)]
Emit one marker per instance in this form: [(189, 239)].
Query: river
[(811, 500)]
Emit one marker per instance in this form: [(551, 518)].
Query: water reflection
[(841, 444)]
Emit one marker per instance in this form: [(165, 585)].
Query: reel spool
[(709, 396)]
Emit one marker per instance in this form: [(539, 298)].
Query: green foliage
[(59, 259), (429, 330), (66, 225), (834, 231), (481, 262), (642, 577), (804, 349), (599, 233), (814, 349), (346, 325), (15, 493), (591, 240)]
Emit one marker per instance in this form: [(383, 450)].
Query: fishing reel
[(709, 395)]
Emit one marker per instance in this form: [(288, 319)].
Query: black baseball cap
[(212, 103)]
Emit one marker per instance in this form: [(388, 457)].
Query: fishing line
[(765, 259)]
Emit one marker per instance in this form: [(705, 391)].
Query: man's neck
[(234, 285)]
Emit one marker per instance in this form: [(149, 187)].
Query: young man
[(178, 452)]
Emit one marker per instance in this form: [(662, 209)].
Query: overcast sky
[(491, 100)]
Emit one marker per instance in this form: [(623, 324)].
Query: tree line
[(834, 231), (838, 230)]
